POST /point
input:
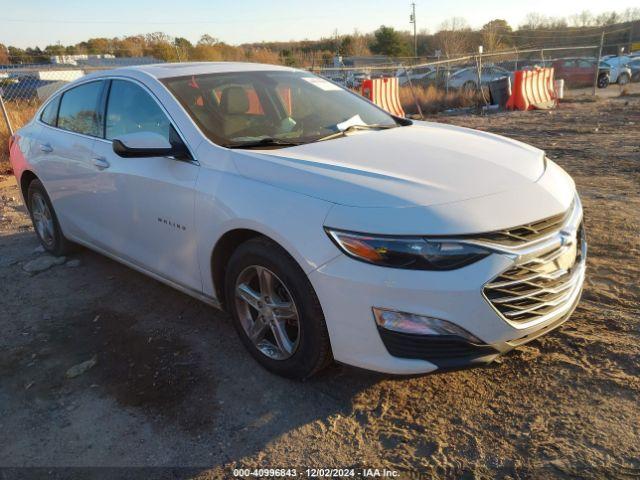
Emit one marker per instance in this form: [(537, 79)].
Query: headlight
[(413, 253)]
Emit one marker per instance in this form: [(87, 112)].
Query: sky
[(26, 23)]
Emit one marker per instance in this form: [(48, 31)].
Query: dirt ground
[(173, 387)]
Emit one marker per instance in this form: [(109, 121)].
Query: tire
[(259, 259), (603, 81), (45, 222), (623, 79)]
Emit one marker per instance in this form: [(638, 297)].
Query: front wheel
[(603, 81), (276, 311)]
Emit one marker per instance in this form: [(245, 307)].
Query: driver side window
[(131, 109)]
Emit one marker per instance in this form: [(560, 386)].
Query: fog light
[(419, 324)]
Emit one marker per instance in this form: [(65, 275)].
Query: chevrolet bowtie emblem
[(567, 238)]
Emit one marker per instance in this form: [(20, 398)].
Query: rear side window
[(80, 109), (50, 112), (131, 109)]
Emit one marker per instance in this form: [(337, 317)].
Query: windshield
[(286, 108)]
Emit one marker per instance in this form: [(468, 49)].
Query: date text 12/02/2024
[(315, 473)]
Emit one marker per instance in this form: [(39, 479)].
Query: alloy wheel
[(267, 312), (42, 219)]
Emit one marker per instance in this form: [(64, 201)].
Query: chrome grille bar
[(541, 282), (525, 234)]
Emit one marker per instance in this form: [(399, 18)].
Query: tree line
[(454, 37)]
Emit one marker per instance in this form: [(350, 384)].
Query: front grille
[(538, 286), (527, 233)]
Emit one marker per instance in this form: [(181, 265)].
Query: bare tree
[(537, 21), (208, 41), (630, 15), (4, 54), (495, 35), (454, 37), (582, 19), (608, 18), (360, 44)]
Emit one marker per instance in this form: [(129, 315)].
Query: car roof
[(168, 70)]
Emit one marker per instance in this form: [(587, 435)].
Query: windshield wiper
[(353, 128), (264, 142)]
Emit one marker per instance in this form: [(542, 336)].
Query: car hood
[(419, 165)]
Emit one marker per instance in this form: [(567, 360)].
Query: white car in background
[(326, 227), (467, 78), (414, 74), (620, 73)]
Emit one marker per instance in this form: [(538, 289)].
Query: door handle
[(101, 163), (46, 148)]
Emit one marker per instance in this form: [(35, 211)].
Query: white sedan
[(326, 227), (620, 73)]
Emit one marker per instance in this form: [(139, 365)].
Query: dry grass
[(19, 114), (434, 100)]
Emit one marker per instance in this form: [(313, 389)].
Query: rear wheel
[(276, 311), (45, 221), (623, 79)]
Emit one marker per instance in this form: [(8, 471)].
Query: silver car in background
[(467, 78)]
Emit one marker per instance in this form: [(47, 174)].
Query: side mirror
[(147, 144)]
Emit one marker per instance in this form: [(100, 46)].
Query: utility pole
[(412, 19), (595, 80)]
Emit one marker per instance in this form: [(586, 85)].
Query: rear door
[(152, 220), (64, 156)]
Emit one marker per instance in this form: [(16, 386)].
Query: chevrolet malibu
[(326, 227)]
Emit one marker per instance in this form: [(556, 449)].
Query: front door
[(154, 207)]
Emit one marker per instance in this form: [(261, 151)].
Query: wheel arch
[(224, 248), (26, 178)]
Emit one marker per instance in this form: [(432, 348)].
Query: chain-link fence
[(440, 84)]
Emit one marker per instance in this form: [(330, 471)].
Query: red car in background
[(580, 71)]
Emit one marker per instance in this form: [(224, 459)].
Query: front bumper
[(447, 352), (348, 289)]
